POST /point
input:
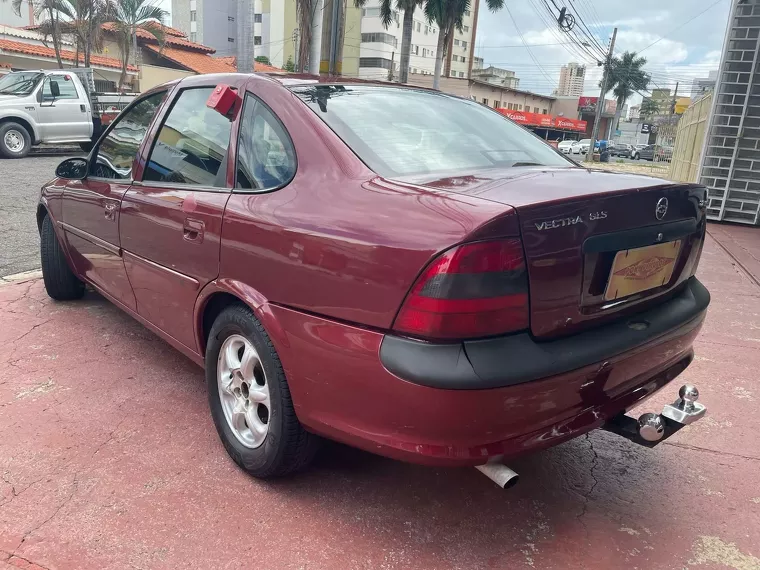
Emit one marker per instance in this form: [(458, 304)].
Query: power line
[(573, 48), (681, 26), (522, 39)]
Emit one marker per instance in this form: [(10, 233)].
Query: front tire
[(60, 282), (15, 141), (249, 398)]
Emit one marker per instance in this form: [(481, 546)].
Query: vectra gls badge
[(661, 209)]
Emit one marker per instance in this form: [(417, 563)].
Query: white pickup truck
[(53, 106)]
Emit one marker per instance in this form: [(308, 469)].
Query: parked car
[(663, 153), (621, 149), (566, 146), (581, 146), (645, 152), (52, 106), (367, 263)]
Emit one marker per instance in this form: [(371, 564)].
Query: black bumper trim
[(515, 359)]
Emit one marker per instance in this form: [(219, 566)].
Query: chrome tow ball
[(650, 429)]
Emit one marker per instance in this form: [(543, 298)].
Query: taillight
[(472, 290)]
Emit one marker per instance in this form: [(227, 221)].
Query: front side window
[(65, 84), (192, 144), (118, 149), (408, 132), (266, 157)]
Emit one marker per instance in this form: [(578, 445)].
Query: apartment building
[(495, 76), (571, 78), (380, 46), (212, 23)]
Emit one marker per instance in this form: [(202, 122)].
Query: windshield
[(19, 82), (400, 132)]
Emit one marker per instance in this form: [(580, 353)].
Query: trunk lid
[(573, 224)]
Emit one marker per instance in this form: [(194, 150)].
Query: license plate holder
[(640, 269)]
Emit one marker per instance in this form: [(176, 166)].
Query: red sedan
[(393, 268)]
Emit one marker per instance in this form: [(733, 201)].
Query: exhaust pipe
[(500, 474)]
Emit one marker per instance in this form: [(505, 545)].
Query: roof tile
[(66, 55)]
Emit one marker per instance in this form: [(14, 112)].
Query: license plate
[(640, 269)]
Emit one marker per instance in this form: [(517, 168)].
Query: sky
[(676, 49)]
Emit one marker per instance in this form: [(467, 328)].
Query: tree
[(448, 15), (85, 19), (290, 67), (625, 77), (649, 108), (263, 59), (47, 12), (129, 16), (387, 17)]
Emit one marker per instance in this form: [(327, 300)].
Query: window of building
[(453, 73), (466, 12), (230, 18), (461, 74), (456, 42), (466, 28), (257, 40), (544, 111), (464, 44), (193, 36), (380, 37), (509, 106), (485, 101), (193, 14), (416, 50), (257, 18), (380, 62), (371, 12), (419, 26), (191, 146), (118, 150), (231, 40), (65, 86), (266, 157)]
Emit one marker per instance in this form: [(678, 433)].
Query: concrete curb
[(20, 277)]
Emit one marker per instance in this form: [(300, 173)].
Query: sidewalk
[(109, 459)]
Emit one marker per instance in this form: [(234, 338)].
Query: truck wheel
[(60, 282), (250, 400), (15, 141)]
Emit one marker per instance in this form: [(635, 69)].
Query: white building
[(496, 76), (381, 47), (634, 112), (8, 16), (702, 85), (571, 78), (208, 22)]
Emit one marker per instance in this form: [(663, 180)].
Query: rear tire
[(60, 282), (278, 446), (15, 141), (636, 156)]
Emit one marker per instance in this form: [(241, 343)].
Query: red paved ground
[(109, 459)]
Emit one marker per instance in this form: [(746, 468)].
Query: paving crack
[(708, 450), (586, 495)]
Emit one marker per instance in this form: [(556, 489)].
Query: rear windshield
[(399, 132)]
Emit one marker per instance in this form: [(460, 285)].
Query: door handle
[(192, 230), (110, 211)]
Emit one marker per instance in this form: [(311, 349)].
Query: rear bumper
[(342, 390), (506, 361)]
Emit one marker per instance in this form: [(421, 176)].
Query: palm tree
[(448, 15), (128, 17), (625, 77), (649, 107), (85, 23), (48, 13), (386, 14)]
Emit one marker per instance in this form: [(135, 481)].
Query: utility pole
[(245, 36), (390, 71), (333, 22), (675, 98), (600, 102), (316, 36)]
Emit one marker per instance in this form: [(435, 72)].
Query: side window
[(66, 88), (192, 143), (266, 157), (118, 150)]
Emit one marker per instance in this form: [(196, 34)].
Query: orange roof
[(66, 55), (231, 60), (193, 61), (170, 38)]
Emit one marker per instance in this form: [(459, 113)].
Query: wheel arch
[(24, 122), (217, 296)]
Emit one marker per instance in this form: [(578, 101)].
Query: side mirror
[(72, 169), (54, 89)]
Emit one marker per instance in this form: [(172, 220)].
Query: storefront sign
[(544, 121)]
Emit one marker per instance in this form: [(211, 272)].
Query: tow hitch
[(651, 429)]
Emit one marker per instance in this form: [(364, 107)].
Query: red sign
[(545, 121), (587, 103)]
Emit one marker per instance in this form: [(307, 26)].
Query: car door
[(171, 219), (91, 206), (63, 110)]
